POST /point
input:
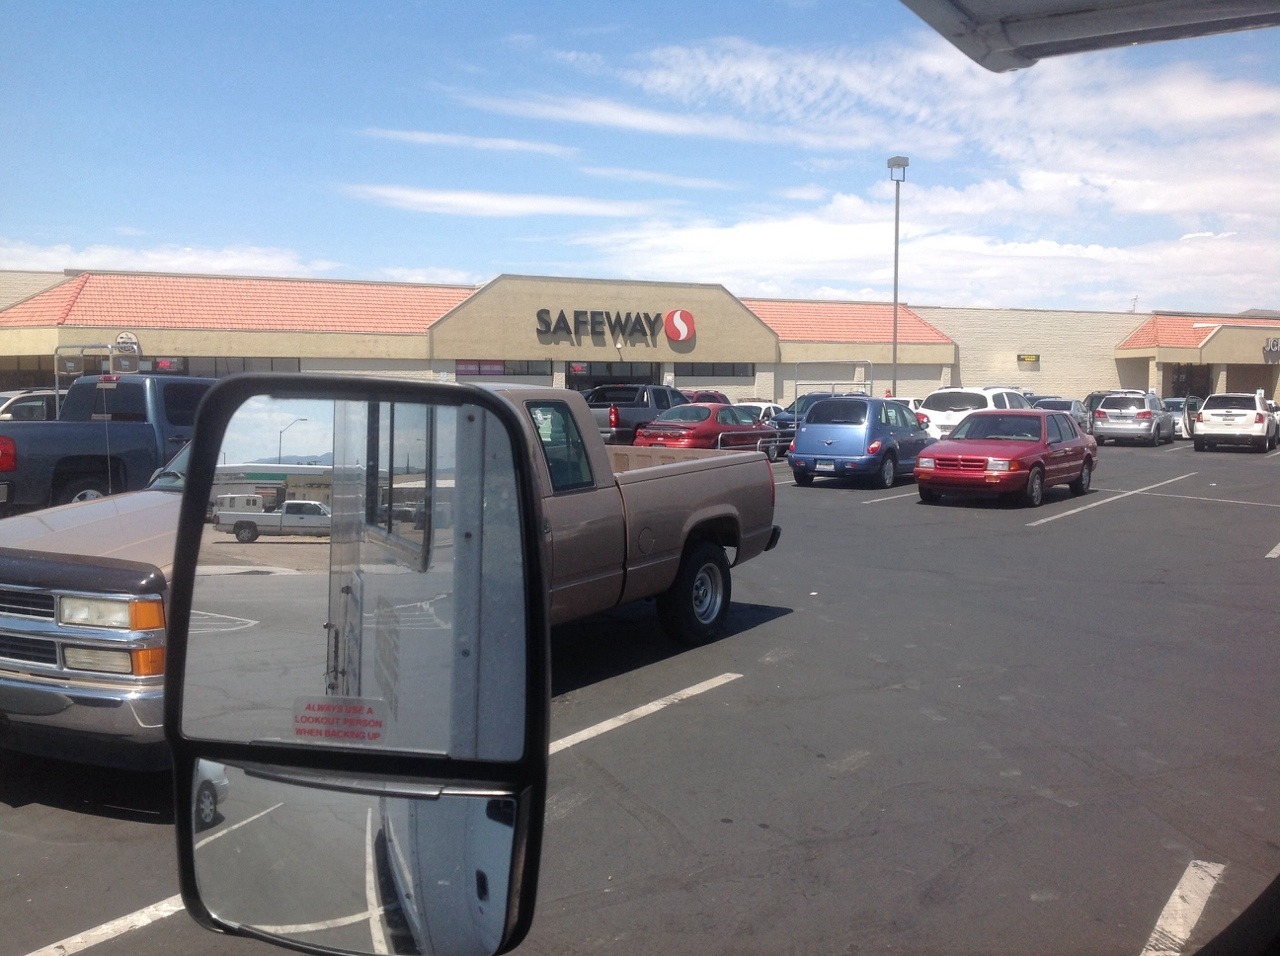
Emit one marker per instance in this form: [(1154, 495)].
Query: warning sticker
[(339, 720)]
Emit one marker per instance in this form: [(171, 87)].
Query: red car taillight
[(1099, 415), (1259, 418), (874, 447), (923, 419), (8, 455), (1199, 416), (792, 447), (615, 419), (1144, 415)]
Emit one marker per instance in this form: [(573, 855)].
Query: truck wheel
[(81, 489), (802, 478), (694, 609), (246, 532)]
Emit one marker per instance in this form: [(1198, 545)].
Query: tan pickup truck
[(84, 587)]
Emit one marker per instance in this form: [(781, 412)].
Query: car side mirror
[(360, 722)]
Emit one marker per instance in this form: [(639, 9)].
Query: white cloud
[(655, 178), (491, 144), (457, 202), (432, 276), (232, 260)]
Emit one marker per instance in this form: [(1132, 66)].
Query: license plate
[(824, 464)]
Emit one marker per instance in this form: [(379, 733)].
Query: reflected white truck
[(294, 517)]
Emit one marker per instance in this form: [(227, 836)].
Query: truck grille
[(28, 650), (37, 604)]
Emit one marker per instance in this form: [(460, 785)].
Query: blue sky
[(743, 144)]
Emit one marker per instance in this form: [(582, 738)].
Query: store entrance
[(1191, 380), (584, 375)]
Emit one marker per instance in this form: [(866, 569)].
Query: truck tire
[(694, 609), (246, 531), (81, 489)]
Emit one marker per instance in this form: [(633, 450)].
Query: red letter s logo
[(678, 324)]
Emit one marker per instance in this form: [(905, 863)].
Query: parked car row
[(1008, 452)]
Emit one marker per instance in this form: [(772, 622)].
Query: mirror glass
[(392, 615), (353, 869)]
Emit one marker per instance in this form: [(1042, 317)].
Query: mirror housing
[(376, 715)]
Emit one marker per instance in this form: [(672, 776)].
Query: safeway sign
[(616, 328)]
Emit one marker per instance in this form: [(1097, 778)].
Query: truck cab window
[(562, 446)]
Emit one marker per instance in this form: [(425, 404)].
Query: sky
[(741, 144)]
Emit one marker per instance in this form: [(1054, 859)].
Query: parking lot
[(965, 727)]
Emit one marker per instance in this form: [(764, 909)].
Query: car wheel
[(888, 472), (1198, 444), (928, 495), (246, 532), (1033, 493), (1263, 444), (1154, 440), (206, 806), (1081, 484), (693, 610), (81, 489), (802, 478), (771, 451)]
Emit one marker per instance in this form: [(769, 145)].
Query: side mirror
[(360, 722)]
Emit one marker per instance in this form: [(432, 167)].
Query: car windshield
[(1054, 404), (955, 402), (999, 427), (173, 476), (1174, 404)]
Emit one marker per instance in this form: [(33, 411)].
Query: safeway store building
[(579, 332)]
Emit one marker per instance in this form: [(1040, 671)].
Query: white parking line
[(158, 911), (873, 501), (1107, 501), (1183, 910), (564, 743), (117, 927), (1274, 552)]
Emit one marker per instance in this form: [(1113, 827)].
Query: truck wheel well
[(722, 532), (104, 470)]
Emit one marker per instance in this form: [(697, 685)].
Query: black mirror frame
[(525, 778)]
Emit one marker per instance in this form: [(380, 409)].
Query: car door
[(1066, 449), (908, 435)]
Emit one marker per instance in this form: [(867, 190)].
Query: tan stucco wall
[(1077, 349), (501, 322), (1239, 346)]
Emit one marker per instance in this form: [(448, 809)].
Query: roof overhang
[(1004, 35)]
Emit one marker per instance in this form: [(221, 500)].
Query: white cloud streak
[(232, 260), (456, 202), (483, 143)]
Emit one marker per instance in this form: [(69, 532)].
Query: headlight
[(999, 464), (924, 462), (141, 661), (118, 613)]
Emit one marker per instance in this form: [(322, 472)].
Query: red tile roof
[(237, 304), (817, 321), (1187, 331)]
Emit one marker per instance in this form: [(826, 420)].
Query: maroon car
[(1014, 454), (709, 425)]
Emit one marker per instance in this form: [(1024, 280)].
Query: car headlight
[(924, 462), (999, 464), (139, 614)]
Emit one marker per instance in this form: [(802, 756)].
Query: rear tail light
[(1144, 415), (8, 454), (615, 419), (1099, 415), (874, 447), (792, 447), (1199, 416), (1259, 418), (923, 419)]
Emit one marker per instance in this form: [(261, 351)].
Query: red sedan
[(1014, 454), (709, 425)]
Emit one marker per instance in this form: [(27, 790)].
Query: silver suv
[(1133, 415)]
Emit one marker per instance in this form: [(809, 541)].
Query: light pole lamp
[(898, 173), (280, 443)]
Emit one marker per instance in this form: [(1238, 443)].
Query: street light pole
[(898, 173), (280, 443)]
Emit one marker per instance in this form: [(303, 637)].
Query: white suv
[(1235, 418), (944, 409)]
